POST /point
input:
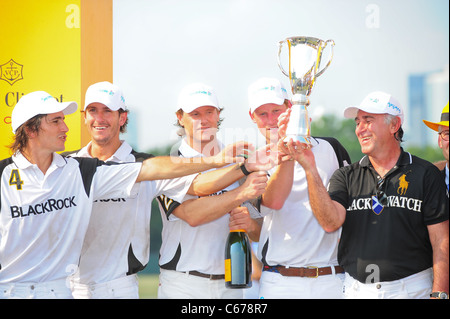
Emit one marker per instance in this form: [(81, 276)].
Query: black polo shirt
[(392, 243)]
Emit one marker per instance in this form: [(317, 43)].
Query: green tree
[(431, 154), (342, 130)]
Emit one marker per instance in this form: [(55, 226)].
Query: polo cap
[(35, 103), (105, 93), (444, 120), (377, 103), (196, 95), (265, 91)]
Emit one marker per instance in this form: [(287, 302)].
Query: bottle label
[(227, 270)]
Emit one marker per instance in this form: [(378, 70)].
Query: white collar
[(22, 162), (121, 155), (187, 151)]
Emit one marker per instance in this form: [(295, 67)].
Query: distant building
[(428, 94)]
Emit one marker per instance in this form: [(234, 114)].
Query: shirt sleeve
[(116, 180), (342, 155), (176, 188), (167, 204), (338, 189)]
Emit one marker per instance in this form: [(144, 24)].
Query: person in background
[(442, 129)]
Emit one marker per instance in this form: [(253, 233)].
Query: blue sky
[(161, 46)]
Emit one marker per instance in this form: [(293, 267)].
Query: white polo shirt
[(43, 218), (185, 248), (292, 235), (117, 241)]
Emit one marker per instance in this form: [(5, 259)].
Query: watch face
[(443, 295)]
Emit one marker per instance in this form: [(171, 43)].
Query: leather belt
[(211, 277), (309, 272)]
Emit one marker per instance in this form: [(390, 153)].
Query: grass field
[(148, 286)]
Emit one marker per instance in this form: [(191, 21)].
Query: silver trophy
[(305, 54)]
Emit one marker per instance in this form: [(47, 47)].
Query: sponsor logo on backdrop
[(11, 72)]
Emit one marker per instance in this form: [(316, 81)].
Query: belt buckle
[(317, 271)]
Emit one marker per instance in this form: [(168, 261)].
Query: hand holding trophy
[(305, 54)]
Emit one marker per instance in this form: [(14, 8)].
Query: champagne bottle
[(238, 260)]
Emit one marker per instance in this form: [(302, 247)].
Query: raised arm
[(330, 214), (280, 183), (205, 209), (168, 167), (279, 186), (208, 183)]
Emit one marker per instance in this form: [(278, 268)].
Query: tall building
[(428, 94)]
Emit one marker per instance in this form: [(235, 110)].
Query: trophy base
[(298, 138)]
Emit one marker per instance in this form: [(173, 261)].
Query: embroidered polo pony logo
[(402, 185)]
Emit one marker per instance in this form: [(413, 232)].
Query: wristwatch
[(439, 295), (243, 169)]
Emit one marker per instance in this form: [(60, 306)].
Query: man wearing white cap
[(117, 242), (46, 199), (393, 212), (109, 263), (299, 258), (193, 245), (442, 129)]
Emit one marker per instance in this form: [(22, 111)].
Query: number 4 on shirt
[(15, 179)]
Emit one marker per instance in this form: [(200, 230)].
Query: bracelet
[(244, 170)]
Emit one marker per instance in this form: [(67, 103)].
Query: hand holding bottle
[(240, 219)]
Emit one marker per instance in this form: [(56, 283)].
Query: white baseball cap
[(377, 103), (106, 93), (196, 95), (264, 91), (36, 103)]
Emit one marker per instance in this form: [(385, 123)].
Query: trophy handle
[(331, 56), (280, 46)]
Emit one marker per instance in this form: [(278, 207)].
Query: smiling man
[(392, 207), (46, 202), (192, 251), (117, 240), (299, 257)]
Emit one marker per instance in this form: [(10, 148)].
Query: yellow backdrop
[(60, 47)]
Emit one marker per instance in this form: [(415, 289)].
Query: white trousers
[(276, 286), (58, 289), (122, 288), (417, 286), (179, 285)]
